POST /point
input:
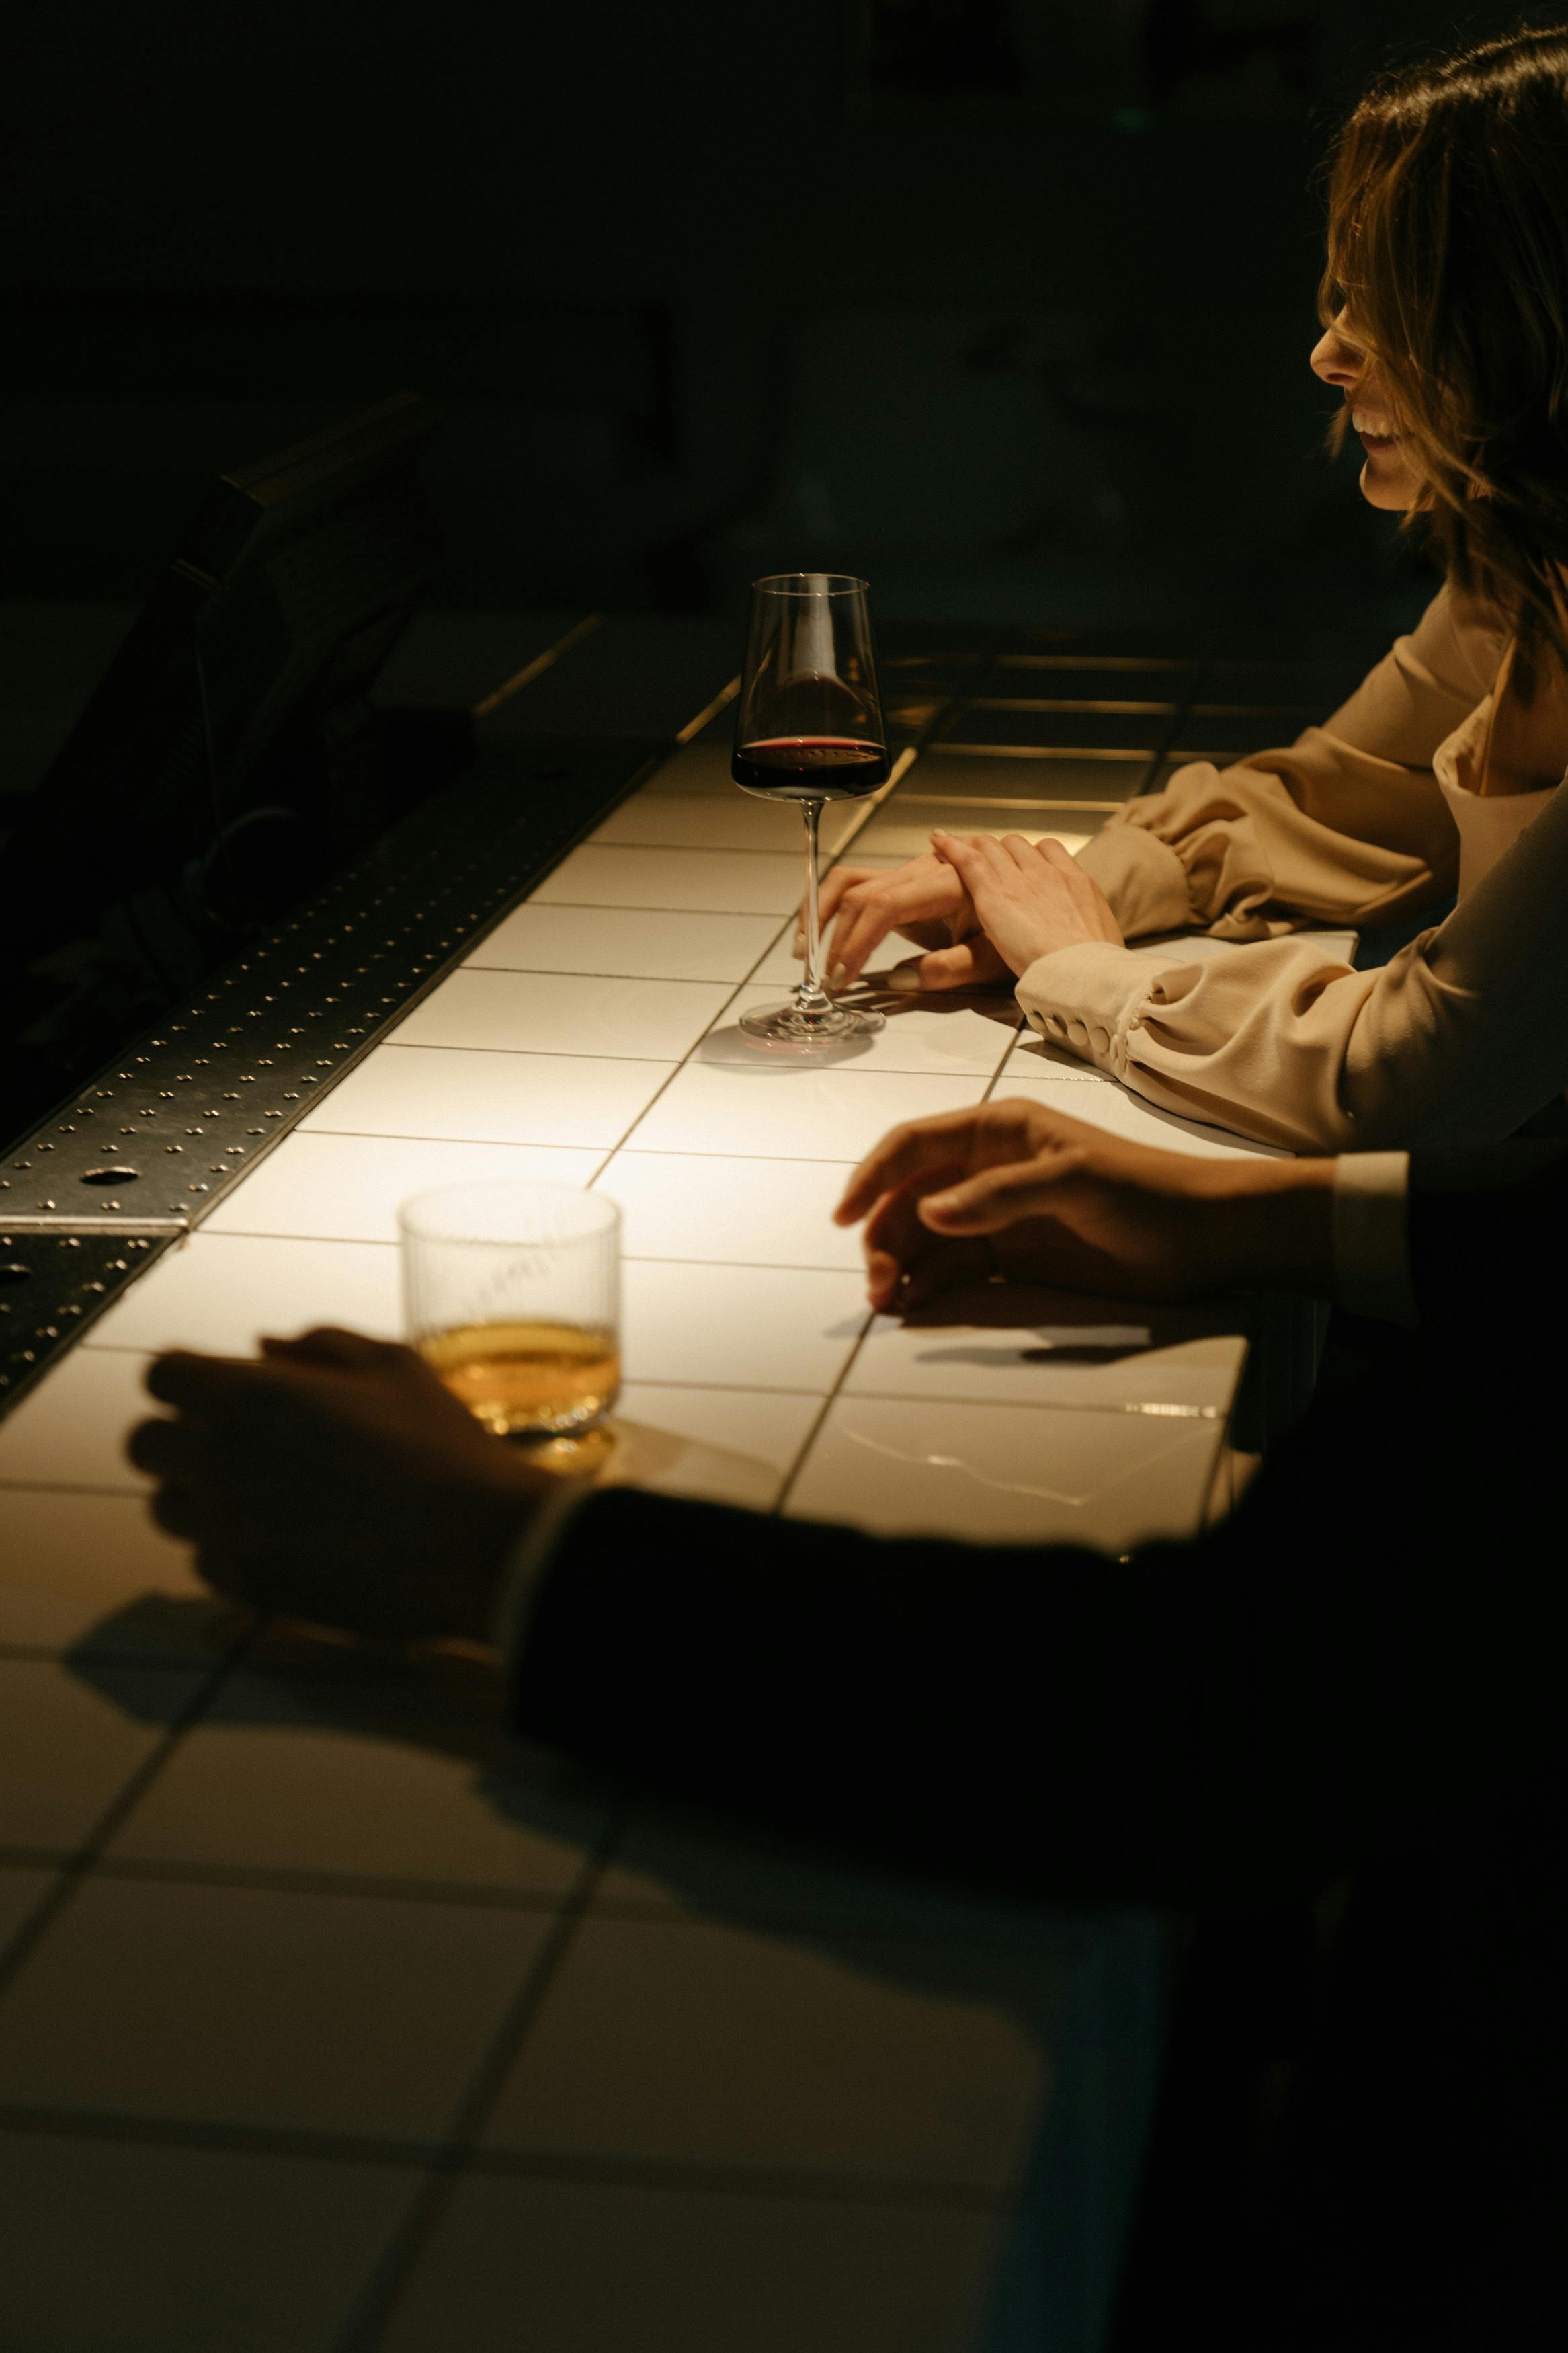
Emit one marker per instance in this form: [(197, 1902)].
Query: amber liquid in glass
[(527, 1380)]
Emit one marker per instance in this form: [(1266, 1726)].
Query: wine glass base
[(797, 1028)]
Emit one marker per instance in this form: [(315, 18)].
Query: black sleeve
[(1377, 1630), (1489, 1245)]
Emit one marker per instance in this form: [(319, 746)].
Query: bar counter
[(330, 2017)]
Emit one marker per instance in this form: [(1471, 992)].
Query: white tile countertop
[(320, 1985)]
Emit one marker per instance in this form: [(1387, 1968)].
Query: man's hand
[(1029, 896), (926, 901), (336, 1480), (1014, 1189)]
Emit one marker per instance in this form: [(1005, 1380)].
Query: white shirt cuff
[(530, 1556), (1371, 1244)]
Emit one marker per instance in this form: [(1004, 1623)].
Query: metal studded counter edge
[(159, 1136)]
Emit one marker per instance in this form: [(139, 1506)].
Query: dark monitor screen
[(227, 761)]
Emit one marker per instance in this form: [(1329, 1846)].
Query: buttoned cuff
[(1083, 998), (1372, 1241), (524, 1575)]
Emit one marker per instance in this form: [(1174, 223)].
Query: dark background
[(1005, 304)]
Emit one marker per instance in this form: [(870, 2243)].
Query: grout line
[(479, 1895), (548, 1053), (706, 980), (670, 849), (657, 907), (819, 1421), (368, 2323), (79, 1486), (744, 1388), (628, 1258), (799, 1464), (587, 2170), (89, 1848), (657, 1152)]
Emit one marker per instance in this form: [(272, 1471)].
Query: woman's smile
[(1373, 429)]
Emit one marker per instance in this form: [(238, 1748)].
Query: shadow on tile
[(344, 1762), (157, 2250), (681, 1862), (1073, 1327)]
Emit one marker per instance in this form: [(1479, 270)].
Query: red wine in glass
[(810, 767), (809, 729)]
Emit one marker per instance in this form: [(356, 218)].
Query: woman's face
[(1387, 480)]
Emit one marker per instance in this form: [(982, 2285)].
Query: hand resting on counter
[(1014, 1189), (983, 910), (334, 1479)]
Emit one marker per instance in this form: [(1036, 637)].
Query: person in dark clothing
[(1355, 1681)]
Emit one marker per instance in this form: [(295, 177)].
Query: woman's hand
[(1012, 1189), (1029, 896), (337, 1479), (927, 902)]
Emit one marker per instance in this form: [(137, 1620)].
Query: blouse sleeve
[(1460, 1038), (1345, 826)]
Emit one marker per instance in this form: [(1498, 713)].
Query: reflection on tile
[(68, 1748), (904, 829), (737, 882), (488, 1098), (723, 1446), (185, 2245), (242, 2005), (1121, 1112), (792, 1112), (647, 941), (565, 1013), (92, 1569), (689, 2043), (751, 1212), (222, 1291), (1016, 1347), (763, 1326), (348, 1187), (1038, 775), (680, 2271), (938, 1034), (999, 1473), (662, 820), (368, 1779), (70, 1431)]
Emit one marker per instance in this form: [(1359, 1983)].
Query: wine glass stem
[(811, 997)]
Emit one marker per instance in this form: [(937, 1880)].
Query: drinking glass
[(511, 1293), (808, 728)]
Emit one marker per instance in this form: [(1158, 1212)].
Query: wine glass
[(808, 728)]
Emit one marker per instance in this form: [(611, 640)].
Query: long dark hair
[(1447, 256)]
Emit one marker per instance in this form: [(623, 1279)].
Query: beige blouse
[(1436, 771)]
